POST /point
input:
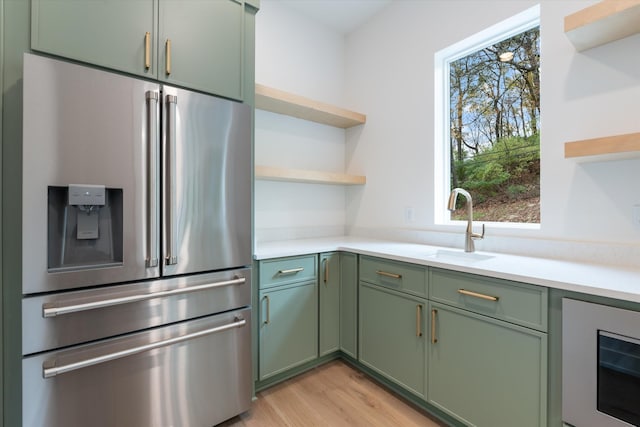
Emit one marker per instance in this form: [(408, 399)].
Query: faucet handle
[(478, 236)]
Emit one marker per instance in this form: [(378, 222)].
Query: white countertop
[(607, 281)]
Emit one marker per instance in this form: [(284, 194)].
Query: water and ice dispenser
[(84, 227)]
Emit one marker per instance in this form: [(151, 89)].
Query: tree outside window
[(494, 135)]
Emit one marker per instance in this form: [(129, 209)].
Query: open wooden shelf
[(282, 102), (611, 147), (308, 176), (603, 23)]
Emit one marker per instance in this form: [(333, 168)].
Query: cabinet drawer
[(396, 275), (283, 271), (518, 303)]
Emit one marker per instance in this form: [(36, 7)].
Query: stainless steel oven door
[(69, 318), (600, 365), (619, 377), (195, 373)]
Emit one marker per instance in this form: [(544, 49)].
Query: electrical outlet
[(635, 215), (409, 214)]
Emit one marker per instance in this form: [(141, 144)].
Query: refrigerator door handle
[(171, 255), (52, 311), (50, 370), (151, 257)]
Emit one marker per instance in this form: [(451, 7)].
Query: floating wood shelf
[(611, 147), (278, 101), (298, 175), (603, 23)]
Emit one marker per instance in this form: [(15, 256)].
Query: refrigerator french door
[(136, 263), (174, 167)]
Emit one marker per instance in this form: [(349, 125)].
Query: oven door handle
[(49, 311), (50, 370)]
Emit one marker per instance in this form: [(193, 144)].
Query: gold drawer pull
[(477, 295), (386, 274), (291, 270), (434, 339)]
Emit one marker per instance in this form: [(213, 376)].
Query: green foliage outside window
[(495, 126)]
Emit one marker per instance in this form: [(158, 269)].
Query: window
[(488, 122)]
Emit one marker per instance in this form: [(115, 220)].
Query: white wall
[(585, 207), (298, 55)]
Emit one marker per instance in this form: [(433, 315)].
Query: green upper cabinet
[(109, 33), (200, 45), (329, 285), (197, 44)]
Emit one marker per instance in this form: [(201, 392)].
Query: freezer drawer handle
[(48, 311), (52, 371)]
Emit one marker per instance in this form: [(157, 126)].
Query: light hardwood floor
[(332, 395)]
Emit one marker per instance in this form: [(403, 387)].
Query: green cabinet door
[(110, 33), (392, 338), (329, 320), (486, 372), (349, 304), (201, 45), (288, 328)]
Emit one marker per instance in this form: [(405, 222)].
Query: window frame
[(505, 29)]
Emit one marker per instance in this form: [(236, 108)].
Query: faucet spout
[(469, 234)]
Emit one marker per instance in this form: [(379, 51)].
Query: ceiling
[(342, 15)]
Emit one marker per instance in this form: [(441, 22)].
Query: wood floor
[(332, 395)]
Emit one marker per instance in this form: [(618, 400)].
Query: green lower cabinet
[(392, 338), (288, 325), (329, 294), (486, 372), (349, 304)]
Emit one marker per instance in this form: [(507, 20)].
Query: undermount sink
[(452, 255)]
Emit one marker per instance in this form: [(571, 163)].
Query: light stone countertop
[(602, 280)]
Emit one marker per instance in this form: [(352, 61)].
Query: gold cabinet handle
[(477, 295), (419, 320), (434, 339), (291, 270), (268, 319), (168, 57), (147, 50), (326, 269), (386, 274)]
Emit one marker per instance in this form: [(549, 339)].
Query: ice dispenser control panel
[(86, 195)]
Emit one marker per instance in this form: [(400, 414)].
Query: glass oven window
[(619, 377)]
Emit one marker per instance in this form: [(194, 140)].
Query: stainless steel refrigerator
[(136, 251)]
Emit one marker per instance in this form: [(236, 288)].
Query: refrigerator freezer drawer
[(59, 320), (195, 373)]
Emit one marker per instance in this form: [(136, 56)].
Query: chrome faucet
[(469, 234)]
